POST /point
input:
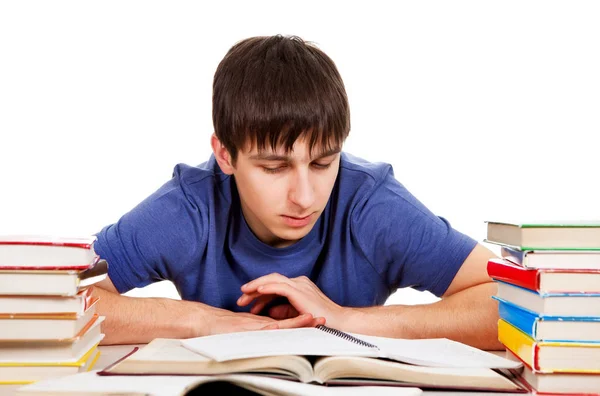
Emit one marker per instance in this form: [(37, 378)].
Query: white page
[(311, 341), (437, 352), (306, 341), (89, 384), (167, 350)]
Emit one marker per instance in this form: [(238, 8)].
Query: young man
[(280, 229)]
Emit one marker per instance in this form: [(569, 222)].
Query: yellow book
[(26, 373), (550, 357)]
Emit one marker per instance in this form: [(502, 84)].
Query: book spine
[(523, 320), (517, 342), (513, 255), (502, 270)]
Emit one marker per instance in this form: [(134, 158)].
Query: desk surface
[(111, 353)]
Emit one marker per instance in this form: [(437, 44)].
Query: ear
[(222, 155)]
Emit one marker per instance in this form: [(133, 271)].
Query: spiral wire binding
[(346, 336)]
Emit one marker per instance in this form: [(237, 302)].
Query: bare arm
[(466, 313), (131, 320), (469, 316)]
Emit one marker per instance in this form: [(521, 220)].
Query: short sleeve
[(154, 241), (407, 244)]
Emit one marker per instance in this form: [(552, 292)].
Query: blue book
[(580, 305), (550, 328)]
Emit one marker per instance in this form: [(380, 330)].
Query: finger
[(262, 302), (305, 320), (318, 321), (272, 326), (284, 311), (247, 298), (251, 286), (283, 290)]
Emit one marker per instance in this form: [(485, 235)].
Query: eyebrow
[(278, 157)]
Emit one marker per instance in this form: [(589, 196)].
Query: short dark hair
[(271, 90)]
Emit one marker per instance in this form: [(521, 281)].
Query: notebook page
[(306, 341), (437, 352)]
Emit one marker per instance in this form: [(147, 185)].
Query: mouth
[(297, 222)]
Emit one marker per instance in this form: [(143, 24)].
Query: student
[(281, 229)]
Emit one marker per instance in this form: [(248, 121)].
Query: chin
[(291, 234)]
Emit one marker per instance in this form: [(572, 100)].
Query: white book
[(67, 350), (50, 282), (39, 251), (555, 304), (23, 373), (71, 305), (47, 327), (553, 259)]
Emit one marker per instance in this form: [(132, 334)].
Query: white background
[(486, 110)]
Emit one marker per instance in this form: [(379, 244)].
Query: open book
[(335, 361), (90, 384)]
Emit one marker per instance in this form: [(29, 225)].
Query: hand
[(223, 321), (304, 297)]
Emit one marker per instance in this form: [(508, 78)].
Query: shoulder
[(374, 183), (359, 178), (360, 169), (207, 172), (199, 182)]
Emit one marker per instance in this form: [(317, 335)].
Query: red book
[(545, 281)]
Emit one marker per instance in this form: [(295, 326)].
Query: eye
[(321, 166), (277, 169)]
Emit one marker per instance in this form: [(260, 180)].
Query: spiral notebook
[(325, 341)]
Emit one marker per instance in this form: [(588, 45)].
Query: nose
[(302, 193)]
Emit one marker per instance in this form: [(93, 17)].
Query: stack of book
[(549, 302), (48, 323)]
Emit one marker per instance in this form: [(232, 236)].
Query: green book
[(551, 235)]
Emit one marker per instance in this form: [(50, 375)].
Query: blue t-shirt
[(372, 238)]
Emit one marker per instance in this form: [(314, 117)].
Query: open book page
[(168, 356), (361, 370), (90, 384), (307, 342), (437, 352)]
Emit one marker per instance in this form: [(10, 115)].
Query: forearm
[(131, 320), (469, 316)]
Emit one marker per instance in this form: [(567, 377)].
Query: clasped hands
[(307, 306)]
